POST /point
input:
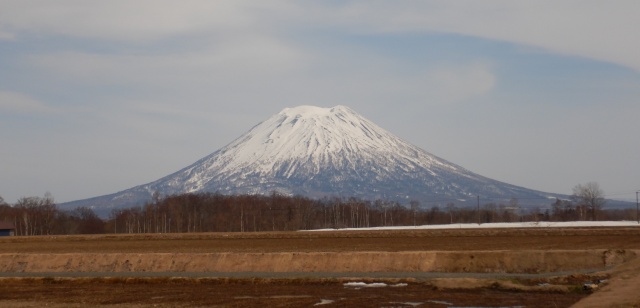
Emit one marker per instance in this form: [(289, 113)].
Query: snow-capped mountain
[(319, 152)]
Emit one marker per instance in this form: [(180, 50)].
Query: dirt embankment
[(535, 261), (620, 291)]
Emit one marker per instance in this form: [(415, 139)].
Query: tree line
[(41, 216), (208, 212)]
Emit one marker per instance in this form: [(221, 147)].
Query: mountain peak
[(318, 152), (308, 111)]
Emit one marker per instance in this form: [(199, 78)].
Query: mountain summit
[(318, 152)]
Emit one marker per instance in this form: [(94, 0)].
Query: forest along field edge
[(254, 213)]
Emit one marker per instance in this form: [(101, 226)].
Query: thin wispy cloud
[(591, 29), (4, 35), (18, 103)]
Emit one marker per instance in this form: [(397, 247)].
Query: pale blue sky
[(100, 96)]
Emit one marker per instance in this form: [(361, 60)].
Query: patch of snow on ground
[(359, 285), (412, 304), (398, 285), (440, 302), (324, 302), (540, 224)]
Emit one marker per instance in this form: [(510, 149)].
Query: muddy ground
[(267, 293), (389, 241), (543, 291)]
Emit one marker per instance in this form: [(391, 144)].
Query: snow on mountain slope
[(319, 152)]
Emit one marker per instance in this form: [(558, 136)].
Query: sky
[(100, 96)]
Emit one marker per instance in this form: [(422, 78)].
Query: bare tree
[(451, 207), (590, 198), (415, 206), (89, 222)]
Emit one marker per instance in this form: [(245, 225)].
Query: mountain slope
[(319, 152)]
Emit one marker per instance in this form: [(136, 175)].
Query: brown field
[(543, 267)]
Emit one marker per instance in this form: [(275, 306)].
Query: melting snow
[(324, 302), (359, 285), (541, 224)]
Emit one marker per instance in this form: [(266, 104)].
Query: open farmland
[(429, 268)]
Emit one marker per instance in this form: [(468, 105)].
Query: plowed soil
[(335, 241), (614, 246)]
